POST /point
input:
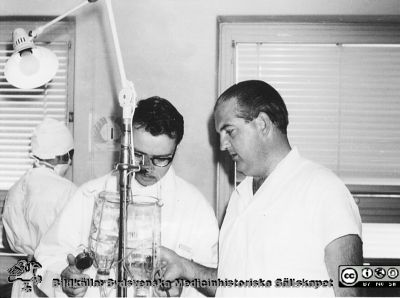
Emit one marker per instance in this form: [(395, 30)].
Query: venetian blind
[(22, 109), (343, 99)]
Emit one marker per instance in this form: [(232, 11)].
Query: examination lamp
[(32, 66)]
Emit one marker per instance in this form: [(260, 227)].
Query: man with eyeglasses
[(188, 223)]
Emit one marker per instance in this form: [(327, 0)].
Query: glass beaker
[(103, 239), (143, 242)]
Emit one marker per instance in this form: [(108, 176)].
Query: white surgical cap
[(51, 138)]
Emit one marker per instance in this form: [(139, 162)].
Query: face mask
[(61, 169)]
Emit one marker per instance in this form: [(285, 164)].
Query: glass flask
[(103, 239), (143, 240)]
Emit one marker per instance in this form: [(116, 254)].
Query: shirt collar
[(246, 185)]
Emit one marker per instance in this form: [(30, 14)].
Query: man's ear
[(264, 124)]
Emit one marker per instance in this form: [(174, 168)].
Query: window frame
[(231, 29)]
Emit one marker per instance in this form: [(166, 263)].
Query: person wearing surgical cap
[(34, 201)]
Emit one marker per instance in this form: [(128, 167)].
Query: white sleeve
[(204, 240), (42, 211), (336, 213), (206, 237), (14, 222), (69, 232)]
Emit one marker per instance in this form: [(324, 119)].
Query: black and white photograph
[(186, 148)]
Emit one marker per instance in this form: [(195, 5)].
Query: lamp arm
[(127, 96), (35, 33)]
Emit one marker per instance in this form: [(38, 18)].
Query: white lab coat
[(188, 226), (32, 204), (282, 230)]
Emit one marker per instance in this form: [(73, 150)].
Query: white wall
[(169, 49)]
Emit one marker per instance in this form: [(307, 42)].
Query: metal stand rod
[(127, 97), (124, 184)]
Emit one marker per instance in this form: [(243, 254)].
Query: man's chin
[(145, 180), (241, 168)]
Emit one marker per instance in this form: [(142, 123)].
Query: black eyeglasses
[(158, 161)]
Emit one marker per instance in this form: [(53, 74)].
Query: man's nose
[(224, 143), (147, 162)]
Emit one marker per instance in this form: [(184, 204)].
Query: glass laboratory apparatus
[(143, 240), (103, 239)]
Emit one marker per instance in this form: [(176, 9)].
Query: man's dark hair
[(158, 116), (256, 96)]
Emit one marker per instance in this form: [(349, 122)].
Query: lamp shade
[(29, 66)]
